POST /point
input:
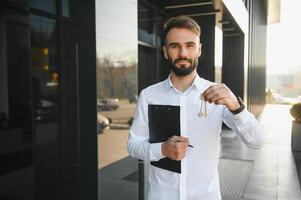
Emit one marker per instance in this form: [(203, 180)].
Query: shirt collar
[(169, 84), (197, 83)]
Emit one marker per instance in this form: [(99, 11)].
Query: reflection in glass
[(16, 135), (45, 5), (44, 68), (146, 32), (117, 79), (45, 97), (116, 25), (66, 8), (116, 72)]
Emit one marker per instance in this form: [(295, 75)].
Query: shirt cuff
[(240, 109), (155, 151), (242, 114)]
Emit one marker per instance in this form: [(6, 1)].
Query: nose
[(183, 52)]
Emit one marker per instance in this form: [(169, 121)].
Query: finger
[(208, 90), (172, 144), (215, 87), (180, 156), (180, 138), (221, 101), (215, 95), (219, 96), (182, 146), (212, 91)]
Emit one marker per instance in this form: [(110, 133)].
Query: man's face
[(182, 50)]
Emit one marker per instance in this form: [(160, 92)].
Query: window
[(45, 5), (45, 76), (66, 8), (117, 83)]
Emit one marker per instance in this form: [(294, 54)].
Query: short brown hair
[(180, 22)]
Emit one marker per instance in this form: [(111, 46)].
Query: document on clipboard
[(164, 122)]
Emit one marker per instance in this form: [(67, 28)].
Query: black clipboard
[(164, 122)]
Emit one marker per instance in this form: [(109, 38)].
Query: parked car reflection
[(102, 123), (108, 104), (133, 99), (45, 110)]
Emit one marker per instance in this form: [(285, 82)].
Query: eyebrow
[(190, 43), (176, 43), (173, 43)]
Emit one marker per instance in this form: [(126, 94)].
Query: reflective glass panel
[(66, 8), (45, 5), (44, 68), (116, 25), (146, 19), (16, 132), (45, 97)]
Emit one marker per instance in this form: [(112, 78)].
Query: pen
[(174, 140)]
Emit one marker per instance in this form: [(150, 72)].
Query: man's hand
[(175, 150), (221, 94)]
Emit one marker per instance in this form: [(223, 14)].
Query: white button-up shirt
[(199, 178)]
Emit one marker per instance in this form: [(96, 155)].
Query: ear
[(200, 50), (165, 52)]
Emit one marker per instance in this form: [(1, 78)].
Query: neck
[(182, 82)]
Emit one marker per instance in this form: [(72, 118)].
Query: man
[(198, 179)]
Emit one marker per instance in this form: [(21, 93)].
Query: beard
[(183, 70)]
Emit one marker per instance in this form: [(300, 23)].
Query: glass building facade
[(117, 92), (46, 151), (70, 75)]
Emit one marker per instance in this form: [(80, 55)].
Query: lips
[(182, 61)]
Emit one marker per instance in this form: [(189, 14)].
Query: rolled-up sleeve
[(246, 127), (138, 144)]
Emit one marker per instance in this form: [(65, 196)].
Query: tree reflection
[(116, 78)]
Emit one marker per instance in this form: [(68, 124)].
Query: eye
[(190, 45), (174, 46)]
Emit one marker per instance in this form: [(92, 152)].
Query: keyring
[(203, 107)]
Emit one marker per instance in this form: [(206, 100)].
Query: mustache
[(182, 59)]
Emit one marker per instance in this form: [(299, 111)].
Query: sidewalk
[(268, 173), (274, 174)]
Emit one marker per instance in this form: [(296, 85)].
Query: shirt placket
[(183, 125)]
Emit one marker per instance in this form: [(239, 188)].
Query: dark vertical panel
[(151, 56), (78, 96), (164, 67), (233, 62), (257, 55), (65, 161), (45, 104), (206, 67), (16, 131), (70, 137), (161, 63), (146, 66)]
